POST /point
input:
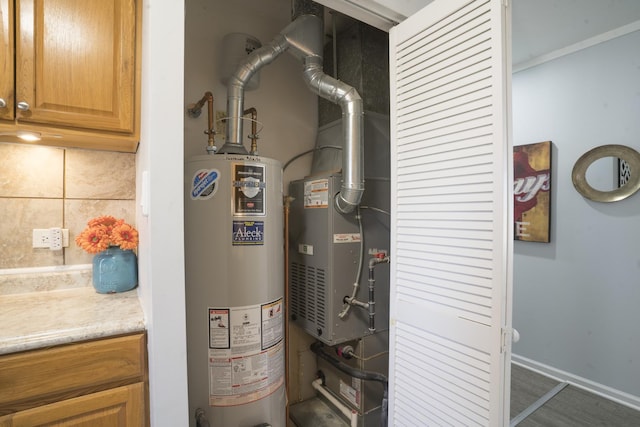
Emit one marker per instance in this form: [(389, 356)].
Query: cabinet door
[(75, 63), (6, 59), (118, 407), (37, 377)]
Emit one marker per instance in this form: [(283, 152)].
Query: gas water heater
[(234, 247), (235, 288)]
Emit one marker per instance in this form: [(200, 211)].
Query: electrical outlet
[(40, 238), (55, 238), (50, 238)]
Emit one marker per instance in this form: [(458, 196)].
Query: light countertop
[(46, 318)]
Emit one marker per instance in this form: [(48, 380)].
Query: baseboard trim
[(583, 383)]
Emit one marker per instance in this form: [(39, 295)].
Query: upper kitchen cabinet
[(70, 72), (6, 59)]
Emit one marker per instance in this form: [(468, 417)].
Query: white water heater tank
[(234, 258)]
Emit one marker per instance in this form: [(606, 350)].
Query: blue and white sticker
[(204, 184), (248, 233)]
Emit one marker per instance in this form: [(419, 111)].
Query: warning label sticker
[(316, 193), (252, 365), (351, 394), (346, 238), (219, 328), (272, 323)]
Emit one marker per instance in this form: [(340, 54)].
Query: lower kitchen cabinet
[(119, 407), (100, 383)]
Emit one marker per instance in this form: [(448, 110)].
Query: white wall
[(576, 299), (161, 254)]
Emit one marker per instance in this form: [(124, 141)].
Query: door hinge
[(505, 339)]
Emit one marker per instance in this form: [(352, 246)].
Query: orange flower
[(107, 220), (94, 239), (105, 231), (125, 236)]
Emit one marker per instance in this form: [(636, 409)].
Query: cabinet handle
[(3, 103), (23, 106)]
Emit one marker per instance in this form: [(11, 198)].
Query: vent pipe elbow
[(351, 105), (235, 91), (296, 38)]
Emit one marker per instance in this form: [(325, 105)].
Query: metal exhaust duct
[(303, 39)]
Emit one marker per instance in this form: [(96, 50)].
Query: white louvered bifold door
[(451, 232)]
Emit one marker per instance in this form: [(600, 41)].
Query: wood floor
[(570, 407)]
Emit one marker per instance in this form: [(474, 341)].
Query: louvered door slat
[(456, 252), (467, 72), (413, 141), (429, 41), (444, 285), (473, 88)]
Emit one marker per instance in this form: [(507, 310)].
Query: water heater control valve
[(378, 253), (346, 351)]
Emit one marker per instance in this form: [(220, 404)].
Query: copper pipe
[(254, 129), (210, 132), (196, 110), (287, 206), (287, 324)]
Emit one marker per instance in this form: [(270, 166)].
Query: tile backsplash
[(43, 187)]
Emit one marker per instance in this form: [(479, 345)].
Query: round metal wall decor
[(629, 155)]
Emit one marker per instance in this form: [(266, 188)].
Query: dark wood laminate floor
[(570, 407)]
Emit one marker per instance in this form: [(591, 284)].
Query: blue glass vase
[(115, 270)]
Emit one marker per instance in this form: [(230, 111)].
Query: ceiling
[(539, 26), (543, 26)]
